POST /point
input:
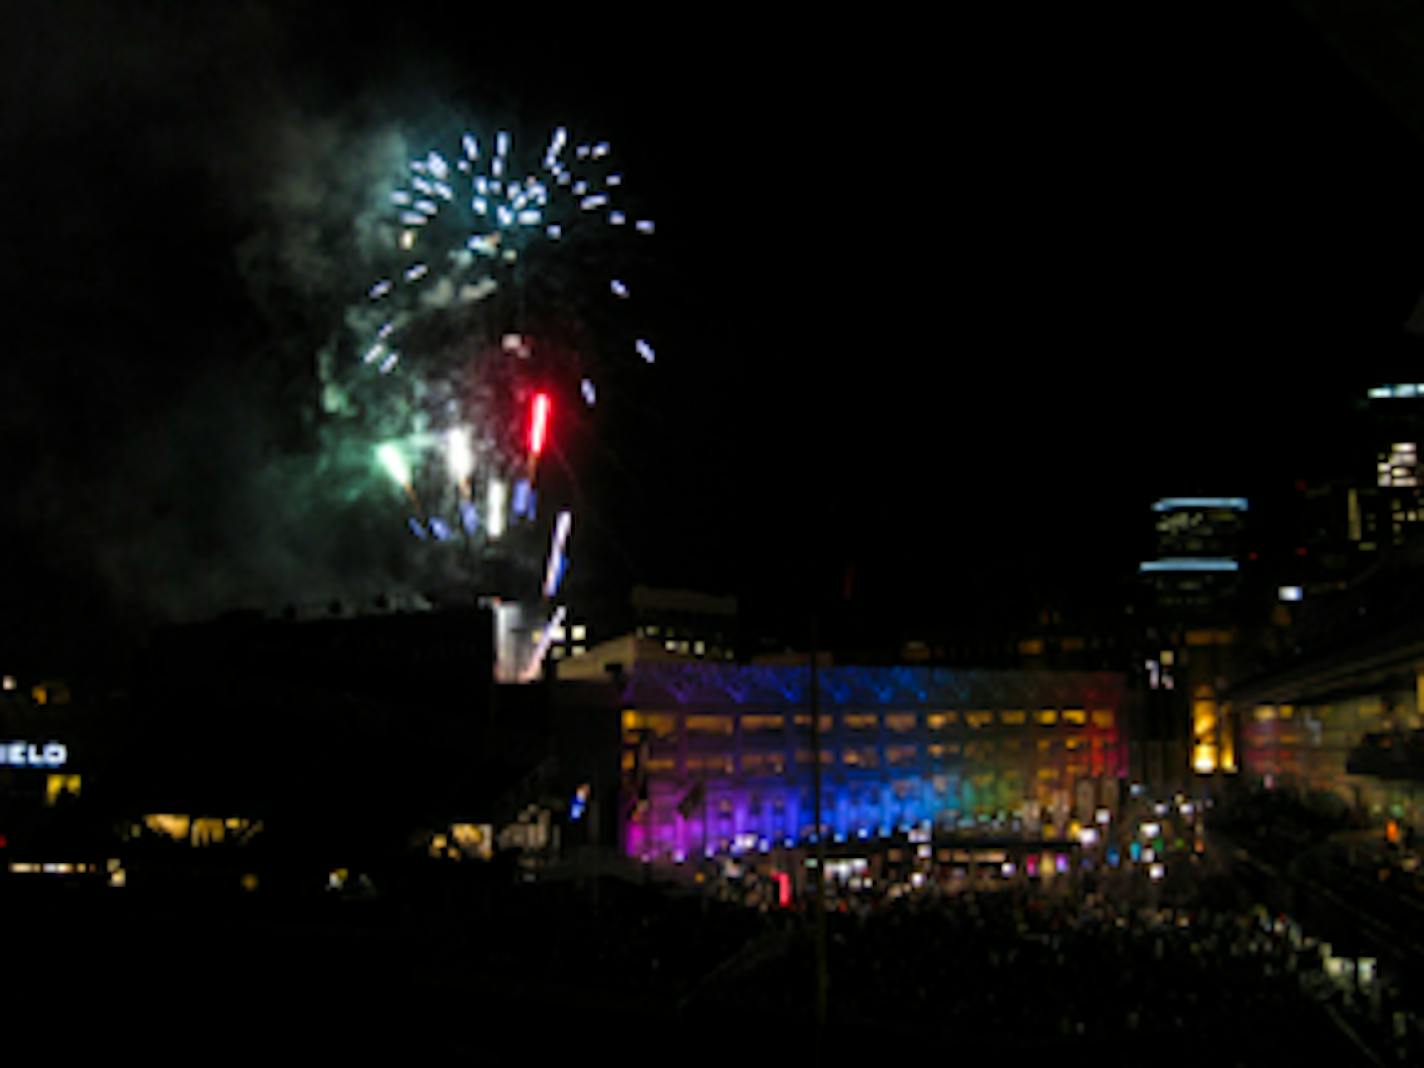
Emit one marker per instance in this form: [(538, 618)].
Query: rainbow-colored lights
[(726, 752)]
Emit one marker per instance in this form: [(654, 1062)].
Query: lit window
[(699, 648), (709, 724), (579, 632), (937, 721), (652, 632), (1103, 718), (55, 785), (1012, 719), (859, 722), (978, 719), (1047, 717), (900, 722), (172, 826), (579, 650), (763, 723), (1075, 716)]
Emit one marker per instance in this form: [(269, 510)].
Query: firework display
[(509, 285)]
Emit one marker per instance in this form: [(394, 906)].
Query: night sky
[(953, 303)]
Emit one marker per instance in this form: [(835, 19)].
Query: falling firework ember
[(510, 282)]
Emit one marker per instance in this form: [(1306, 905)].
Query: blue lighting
[(522, 494), (1187, 563), (1169, 504)]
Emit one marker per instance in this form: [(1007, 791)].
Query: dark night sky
[(953, 302)]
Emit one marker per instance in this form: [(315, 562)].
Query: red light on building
[(1300, 551), (783, 884), (538, 424)]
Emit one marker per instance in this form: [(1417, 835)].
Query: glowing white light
[(380, 289), (412, 218), (582, 152), (590, 395), (407, 239), (501, 143), (600, 150), (496, 501), (373, 353), (613, 179), (437, 165), (619, 289), (1291, 593), (481, 186), (416, 272), (645, 350), (617, 218), (423, 186), (497, 168), (458, 452), (645, 226), (537, 660), (479, 204), (530, 218), (427, 206), (504, 215), (555, 231), (444, 191), (400, 197), (472, 148), (598, 200), (580, 188), (554, 569), (557, 142), (389, 363)]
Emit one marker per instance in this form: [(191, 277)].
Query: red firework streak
[(538, 430)]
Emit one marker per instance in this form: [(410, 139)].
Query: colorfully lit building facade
[(719, 757)]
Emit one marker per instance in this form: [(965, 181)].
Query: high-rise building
[(1189, 634)]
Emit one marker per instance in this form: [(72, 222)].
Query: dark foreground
[(513, 972)]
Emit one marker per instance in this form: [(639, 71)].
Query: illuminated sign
[(30, 755)]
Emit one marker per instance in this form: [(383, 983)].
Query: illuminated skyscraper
[(1189, 637)]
